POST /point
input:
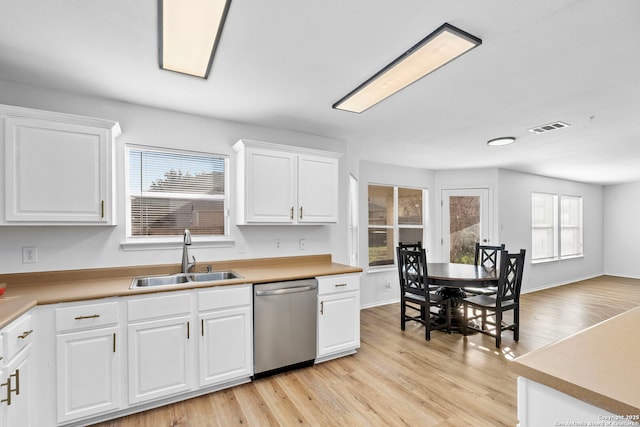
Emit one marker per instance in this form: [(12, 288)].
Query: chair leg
[(427, 324), (516, 323), (498, 328), (403, 310), (448, 313)]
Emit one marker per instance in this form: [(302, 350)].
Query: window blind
[(170, 191)]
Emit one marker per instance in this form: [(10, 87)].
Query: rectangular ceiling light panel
[(189, 34), (434, 51)]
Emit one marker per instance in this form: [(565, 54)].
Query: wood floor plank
[(397, 378)]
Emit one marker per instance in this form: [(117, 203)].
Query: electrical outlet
[(302, 243), (387, 287), (29, 254), (278, 244), (240, 246)]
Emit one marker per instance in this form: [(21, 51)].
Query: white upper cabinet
[(280, 184), (58, 168)]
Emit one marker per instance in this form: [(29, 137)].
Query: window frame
[(396, 226), (168, 241), (557, 227)]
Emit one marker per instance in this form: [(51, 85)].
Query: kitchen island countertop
[(598, 365)]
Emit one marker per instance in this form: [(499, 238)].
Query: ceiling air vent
[(549, 127)]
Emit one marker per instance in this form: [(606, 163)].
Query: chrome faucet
[(186, 265)]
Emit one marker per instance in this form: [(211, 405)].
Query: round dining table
[(451, 278)]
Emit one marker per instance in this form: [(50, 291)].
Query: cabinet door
[(56, 172), (270, 186), (160, 354), (317, 189), (338, 322), (226, 351), (19, 369), (88, 373)]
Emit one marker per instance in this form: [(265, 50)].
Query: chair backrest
[(510, 280), (487, 256), (411, 246), (412, 269)]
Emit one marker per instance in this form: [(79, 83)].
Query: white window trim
[(138, 243), (396, 227), (558, 231)]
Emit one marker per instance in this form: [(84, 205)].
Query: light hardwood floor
[(397, 378)]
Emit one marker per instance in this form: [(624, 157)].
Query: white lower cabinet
[(338, 316), (160, 350), (101, 359), (17, 374), (226, 339), (88, 360)]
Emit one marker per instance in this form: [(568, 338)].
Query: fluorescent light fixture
[(437, 49), (505, 140), (189, 31)]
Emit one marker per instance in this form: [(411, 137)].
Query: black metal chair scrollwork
[(506, 299), (415, 295), (488, 257)]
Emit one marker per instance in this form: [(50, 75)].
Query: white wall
[(62, 248), (621, 230), (514, 212), (510, 194)]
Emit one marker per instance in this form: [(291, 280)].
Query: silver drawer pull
[(25, 334), (340, 285), (93, 316)]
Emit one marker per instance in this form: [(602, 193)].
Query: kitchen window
[(396, 214), (557, 230), (169, 191)]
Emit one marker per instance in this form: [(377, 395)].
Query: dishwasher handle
[(261, 293)]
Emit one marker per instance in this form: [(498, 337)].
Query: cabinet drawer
[(342, 283), (17, 335), (86, 316), (154, 307), (224, 297)]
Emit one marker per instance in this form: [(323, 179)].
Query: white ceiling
[(284, 63)]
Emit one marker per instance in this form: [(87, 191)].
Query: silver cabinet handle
[(339, 285)]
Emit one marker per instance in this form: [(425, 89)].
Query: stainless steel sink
[(181, 278)]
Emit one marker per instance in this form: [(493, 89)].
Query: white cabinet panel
[(159, 358), (58, 168), (226, 350), (89, 369), (270, 186), (280, 184), (338, 315), (17, 379), (317, 189)]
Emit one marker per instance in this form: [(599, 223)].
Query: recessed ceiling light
[(505, 140), (437, 49), (189, 33)]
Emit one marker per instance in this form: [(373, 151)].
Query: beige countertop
[(598, 365), (26, 290)]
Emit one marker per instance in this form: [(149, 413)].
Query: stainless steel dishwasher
[(284, 322)]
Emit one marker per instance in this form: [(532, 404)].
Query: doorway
[(465, 221)]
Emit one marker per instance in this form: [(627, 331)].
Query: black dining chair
[(415, 294), (506, 299), (411, 246), (488, 257)]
